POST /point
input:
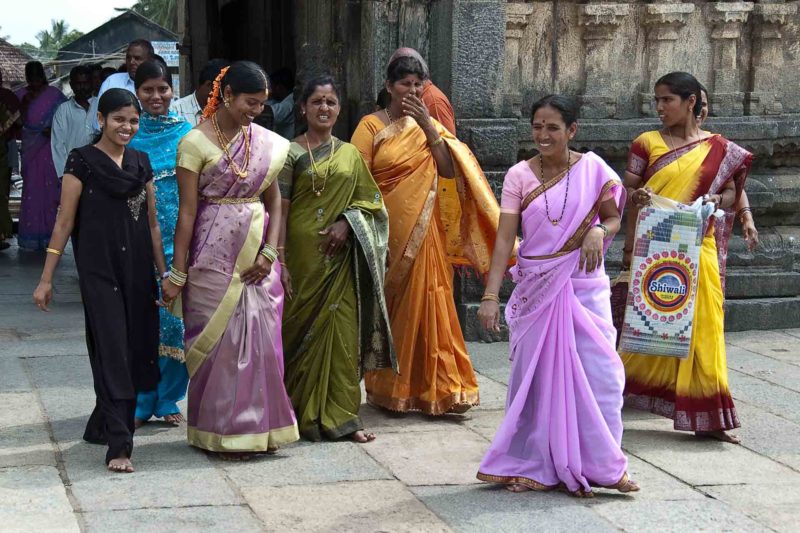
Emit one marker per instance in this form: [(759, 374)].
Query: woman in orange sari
[(442, 212), (682, 162)]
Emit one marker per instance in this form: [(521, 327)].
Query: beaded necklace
[(555, 222), (314, 172), (241, 172)]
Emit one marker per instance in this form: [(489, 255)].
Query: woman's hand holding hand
[(260, 270), (642, 197), (592, 250), (43, 295), (169, 291), (489, 315), (334, 237), (750, 233)]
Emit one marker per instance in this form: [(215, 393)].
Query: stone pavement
[(419, 475)]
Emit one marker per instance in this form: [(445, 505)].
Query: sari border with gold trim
[(256, 442), (672, 156), (544, 187), (438, 407)]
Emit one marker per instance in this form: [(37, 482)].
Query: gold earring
[(227, 103)]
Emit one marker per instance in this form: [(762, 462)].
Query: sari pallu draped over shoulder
[(435, 223), (336, 325), (234, 355), (563, 421), (694, 391)]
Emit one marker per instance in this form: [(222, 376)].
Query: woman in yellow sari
[(683, 163), (442, 212)]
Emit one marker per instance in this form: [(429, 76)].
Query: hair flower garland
[(215, 96)]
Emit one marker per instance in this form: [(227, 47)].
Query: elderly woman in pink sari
[(41, 189), (563, 422), (225, 262)]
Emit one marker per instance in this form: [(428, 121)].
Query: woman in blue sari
[(160, 130)]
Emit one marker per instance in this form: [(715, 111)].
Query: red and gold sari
[(434, 223), (694, 391)]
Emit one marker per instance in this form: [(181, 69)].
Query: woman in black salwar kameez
[(108, 206)]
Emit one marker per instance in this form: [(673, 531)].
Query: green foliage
[(51, 40)]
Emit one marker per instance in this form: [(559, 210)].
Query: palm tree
[(162, 12), (58, 36)]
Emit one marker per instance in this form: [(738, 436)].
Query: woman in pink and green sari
[(225, 262), (563, 422)]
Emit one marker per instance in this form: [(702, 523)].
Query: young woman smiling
[(563, 422), (108, 206), (160, 130)]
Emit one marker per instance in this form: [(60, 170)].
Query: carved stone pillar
[(663, 22), (765, 78), (727, 19), (517, 15), (600, 22)]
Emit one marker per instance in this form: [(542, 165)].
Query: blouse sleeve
[(639, 156), (76, 166), (190, 155), (286, 174), (511, 199), (363, 139)]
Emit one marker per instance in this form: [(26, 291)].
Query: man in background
[(191, 106), (281, 101), (72, 127), (435, 100), (139, 51), (9, 122)]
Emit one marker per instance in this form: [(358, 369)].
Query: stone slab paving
[(418, 476)]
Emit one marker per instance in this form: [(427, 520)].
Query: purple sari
[(41, 190), (234, 354), (563, 422)]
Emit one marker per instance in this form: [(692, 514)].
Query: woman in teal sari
[(335, 323), (160, 130)]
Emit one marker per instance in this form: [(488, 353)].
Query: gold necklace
[(314, 172), (241, 172), (388, 115), (672, 146)]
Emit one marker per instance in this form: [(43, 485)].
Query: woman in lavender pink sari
[(563, 422), (225, 263), (41, 189)]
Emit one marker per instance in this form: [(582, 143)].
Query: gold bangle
[(490, 296), (437, 142), (54, 251)]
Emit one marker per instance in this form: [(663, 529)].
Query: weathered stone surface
[(309, 462), (485, 422), (492, 508), (370, 506), (493, 394), (775, 344), (773, 398), (32, 498), (769, 435), (677, 516), (379, 421), (24, 439), (212, 519), (432, 457), (755, 284), (772, 505), (493, 142), (764, 368), (698, 461), (491, 360), (761, 313), (655, 483)]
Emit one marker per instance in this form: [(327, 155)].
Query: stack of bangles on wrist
[(437, 142), (54, 251), (490, 296), (740, 213), (177, 278), (269, 252)]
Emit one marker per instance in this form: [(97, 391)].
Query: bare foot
[(361, 437), (121, 465), (138, 422), (272, 450), (234, 456), (516, 487), (176, 419), (583, 494), (460, 408), (719, 435)]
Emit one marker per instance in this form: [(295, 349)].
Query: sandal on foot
[(624, 485), (516, 487)]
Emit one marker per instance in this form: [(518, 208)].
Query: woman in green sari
[(335, 323)]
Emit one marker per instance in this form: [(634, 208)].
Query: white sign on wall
[(169, 51)]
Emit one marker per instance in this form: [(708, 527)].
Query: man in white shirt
[(281, 101), (138, 52), (72, 125), (191, 106)]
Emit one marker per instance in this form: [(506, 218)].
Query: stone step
[(740, 315), (762, 313), (758, 283)]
